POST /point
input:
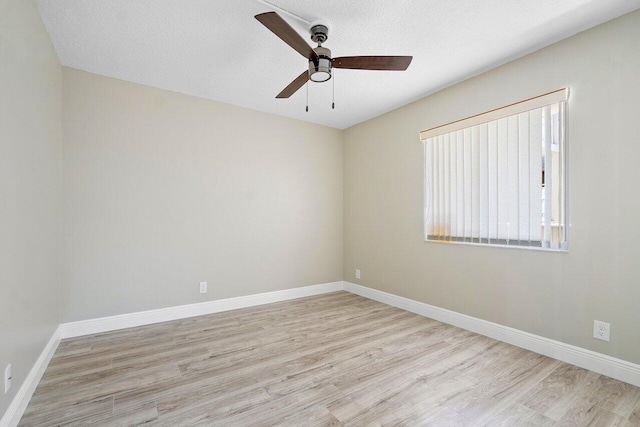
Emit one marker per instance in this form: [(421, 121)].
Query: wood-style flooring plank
[(553, 396), (613, 395), (634, 418), (327, 360), (140, 414), (585, 413)]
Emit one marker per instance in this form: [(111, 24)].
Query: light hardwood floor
[(333, 359)]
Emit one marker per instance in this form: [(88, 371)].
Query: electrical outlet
[(357, 274), (203, 287), (601, 330), (7, 378)]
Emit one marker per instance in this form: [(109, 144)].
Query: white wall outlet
[(7, 378), (357, 274), (203, 287), (601, 330)]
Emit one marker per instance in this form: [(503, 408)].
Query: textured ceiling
[(216, 49)]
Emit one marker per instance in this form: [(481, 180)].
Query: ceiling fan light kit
[(320, 62), (320, 70)]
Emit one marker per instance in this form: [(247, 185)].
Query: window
[(498, 178)]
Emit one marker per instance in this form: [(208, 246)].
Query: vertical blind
[(498, 177)]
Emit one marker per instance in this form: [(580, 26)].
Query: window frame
[(561, 95)]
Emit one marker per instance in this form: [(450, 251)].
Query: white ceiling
[(216, 49)]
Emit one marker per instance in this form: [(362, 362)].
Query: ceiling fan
[(320, 61)]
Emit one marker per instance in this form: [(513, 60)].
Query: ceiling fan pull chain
[(333, 93), (307, 96)]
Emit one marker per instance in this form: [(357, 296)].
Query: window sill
[(490, 245)]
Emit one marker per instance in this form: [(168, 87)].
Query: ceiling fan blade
[(280, 28), (392, 63), (294, 85)]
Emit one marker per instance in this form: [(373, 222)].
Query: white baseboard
[(130, 320), (587, 359), (11, 418)]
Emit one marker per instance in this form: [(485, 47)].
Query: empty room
[(345, 213)]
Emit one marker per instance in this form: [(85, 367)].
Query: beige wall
[(163, 190), (30, 146), (550, 294)]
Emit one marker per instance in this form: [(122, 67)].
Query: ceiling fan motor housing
[(320, 70), (319, 33)]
